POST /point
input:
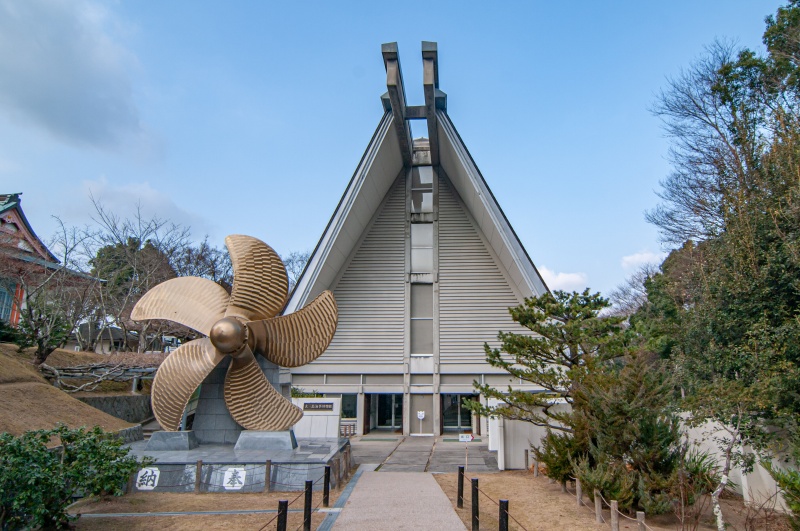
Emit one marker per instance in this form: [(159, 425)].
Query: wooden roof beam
[(397, 97)]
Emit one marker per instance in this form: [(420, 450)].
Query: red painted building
[(18, 245)]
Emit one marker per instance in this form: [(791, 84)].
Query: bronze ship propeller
[(238, 325)]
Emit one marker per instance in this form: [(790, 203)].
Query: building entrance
[(455, 416), (387, 411)]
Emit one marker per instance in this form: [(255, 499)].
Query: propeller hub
[(228, 335)]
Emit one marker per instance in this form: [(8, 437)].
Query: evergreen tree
[(568, 340)]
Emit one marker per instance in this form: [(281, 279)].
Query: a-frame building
[(424, 266)]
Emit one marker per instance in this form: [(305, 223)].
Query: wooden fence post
[(535, 468), (578, 492), (598, 507), (614, 515), (198, 476), (640, 520), (268, 476)]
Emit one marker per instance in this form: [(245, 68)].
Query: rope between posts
[(584, 505), (507, 512), (490, 498), (294, 468), (622, 514), (287, 507), (292, 487), (297, 498), (271, 520)]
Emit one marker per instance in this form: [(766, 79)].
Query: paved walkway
[(397, 500), (402, 493), (397, 453)]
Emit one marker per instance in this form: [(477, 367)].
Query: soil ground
[(61, 358), (541, 505), (29, 402), (535, 502), (142, 502)]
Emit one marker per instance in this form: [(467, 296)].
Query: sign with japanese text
[(147, 478), (234, 478), (318, 406)]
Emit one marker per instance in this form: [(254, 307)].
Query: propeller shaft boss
[(228, 335)]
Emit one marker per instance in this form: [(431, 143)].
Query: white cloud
[(637, 260), (61, 70), (564, 281), (123, 199)]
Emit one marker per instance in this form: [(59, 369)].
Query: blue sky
[(250, 117)]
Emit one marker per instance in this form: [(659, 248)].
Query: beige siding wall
[(371, 292), (474, 296)]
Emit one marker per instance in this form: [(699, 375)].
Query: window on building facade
[(422, 247), (6, 301), (349, 407), (421, 319), (422, 189)]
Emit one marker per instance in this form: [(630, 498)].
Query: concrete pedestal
[(164, 441), (266, 440), (213, 423)]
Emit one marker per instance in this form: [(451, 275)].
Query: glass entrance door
[(390, 411), (454, 415)]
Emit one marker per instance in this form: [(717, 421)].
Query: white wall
[(510, 438), (755, 487), (318, 424), (514, 438)]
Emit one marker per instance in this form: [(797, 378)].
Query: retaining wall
[(129, 407)]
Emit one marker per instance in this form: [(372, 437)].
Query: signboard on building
[(318, 406)]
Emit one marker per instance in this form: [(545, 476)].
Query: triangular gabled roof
[(380, 166), (17, 233), (468, 181)]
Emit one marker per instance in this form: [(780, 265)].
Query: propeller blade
[(178, 377), (191, 301), (260, 284), (298, 338), (251, 399)]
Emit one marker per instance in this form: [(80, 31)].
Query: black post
[(307, 507), (460, 498), (326, 487), (475, 515), (503, 515), (283, 512)]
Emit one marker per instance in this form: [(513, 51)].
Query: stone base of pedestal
[(161, 441), (266, 440)]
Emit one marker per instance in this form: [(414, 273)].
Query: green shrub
[(8, 334), (613, 480), (696, 476), (37, 483), (653, 493), (558, 451), (789, 482)]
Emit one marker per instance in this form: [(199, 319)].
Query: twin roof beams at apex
[(394, 100)]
